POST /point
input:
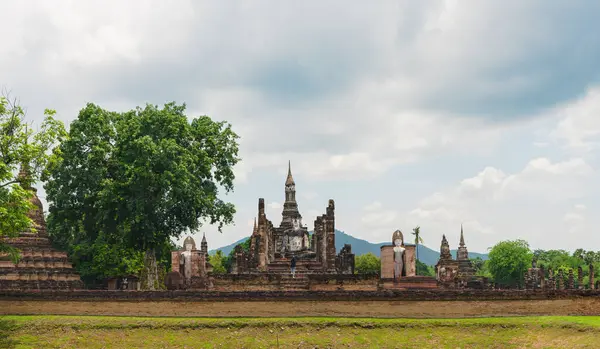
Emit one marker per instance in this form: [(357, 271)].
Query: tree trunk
[(150, 277), (417, 250)]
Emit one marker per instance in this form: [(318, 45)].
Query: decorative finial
[(290, 179), (462, 237)]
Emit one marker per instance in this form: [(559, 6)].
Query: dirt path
[(411, 309)]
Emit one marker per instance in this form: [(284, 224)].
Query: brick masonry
[(310, 295)]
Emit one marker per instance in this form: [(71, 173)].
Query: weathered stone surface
[(344, 263), (456, 273), (405, 295), (41, 266), (174, 280), (387, 262), (189, 263)]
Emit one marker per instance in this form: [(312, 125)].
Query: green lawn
[(140, 332)]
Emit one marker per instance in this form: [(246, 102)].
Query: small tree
[(418, 240), (21, 146), (218, 262), (424, 269), (367, 263)]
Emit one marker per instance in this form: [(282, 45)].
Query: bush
[(367, 264)]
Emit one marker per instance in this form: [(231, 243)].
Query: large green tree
[(135, 180), (508, 261), (22, 145)]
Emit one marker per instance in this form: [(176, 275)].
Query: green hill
[(360, 246)]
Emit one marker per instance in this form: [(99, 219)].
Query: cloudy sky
[(430, 113)]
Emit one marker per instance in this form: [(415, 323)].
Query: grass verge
[(142, 332)]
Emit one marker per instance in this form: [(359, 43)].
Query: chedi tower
[(40, 266)]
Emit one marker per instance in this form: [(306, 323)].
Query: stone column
[(542, 277), (263, 248), (571, 280), (591, 281), (580, 278), (561, 280), (330, 231)]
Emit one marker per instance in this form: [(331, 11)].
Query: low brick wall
[(388, 295)]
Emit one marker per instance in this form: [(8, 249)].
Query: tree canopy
[(21, 145), (508, 261), (367, 263), (138, 179)]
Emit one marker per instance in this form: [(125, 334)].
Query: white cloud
[(374, 206), (308, 195), (575, 220), (351, 95), (396, 92), (579, 127), (274, 205), (502, 206)]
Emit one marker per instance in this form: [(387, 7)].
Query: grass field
[(140, 332)]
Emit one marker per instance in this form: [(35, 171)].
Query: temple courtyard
[(323, 332)]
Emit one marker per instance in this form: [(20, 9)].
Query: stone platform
[(40, 266), (304, 268), (409, 282)]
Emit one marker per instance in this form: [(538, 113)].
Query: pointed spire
[(24, 178), (203, 237), (462, 237), (290, 179)]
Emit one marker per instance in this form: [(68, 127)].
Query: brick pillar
[(387, 262), (571, 280), (580, 278), (591, 281), (263, 248), (320, 241), (175, 261), (330, 235), (561, 280)]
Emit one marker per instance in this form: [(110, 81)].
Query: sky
[(406, 113)]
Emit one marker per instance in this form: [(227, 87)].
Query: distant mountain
[(359, 246)]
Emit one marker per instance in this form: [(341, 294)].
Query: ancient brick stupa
[(40, 265), (454, 272)]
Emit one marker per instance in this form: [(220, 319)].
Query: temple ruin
[(265, 260), (271, 248), (40, 266), (452, 272), (189, 266), (399, 267)]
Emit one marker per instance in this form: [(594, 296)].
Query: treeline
[(509, 261)]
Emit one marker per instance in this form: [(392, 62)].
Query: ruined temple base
[(408, 283)]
